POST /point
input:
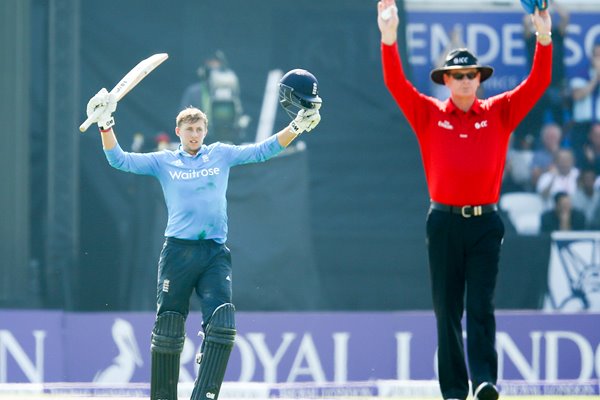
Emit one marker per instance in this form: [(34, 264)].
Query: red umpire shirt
[(464, 152)]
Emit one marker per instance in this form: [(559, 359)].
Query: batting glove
[(314, 118), (106, 120), (306, 120), (106, 104)]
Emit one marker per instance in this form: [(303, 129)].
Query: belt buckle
[(470, 211), (464, 213)]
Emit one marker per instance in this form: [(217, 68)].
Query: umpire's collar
[(451, 108)]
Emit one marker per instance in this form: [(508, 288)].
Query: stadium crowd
[(555, 152)]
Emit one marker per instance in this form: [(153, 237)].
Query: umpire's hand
[(542, 22), (387, 20)]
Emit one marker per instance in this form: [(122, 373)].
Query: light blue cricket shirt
[(194, 186)]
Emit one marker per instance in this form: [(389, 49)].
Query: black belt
[(465, 211), (191, 242)]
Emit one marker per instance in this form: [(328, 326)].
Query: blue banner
[(496, 38), (293, 348)]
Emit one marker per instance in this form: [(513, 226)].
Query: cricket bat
[(129, 81)]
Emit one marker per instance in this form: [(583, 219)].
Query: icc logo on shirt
[(482, 124)]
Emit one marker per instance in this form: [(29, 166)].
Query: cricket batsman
[(194, 257)]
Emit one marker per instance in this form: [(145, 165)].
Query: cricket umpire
[(194, 257), (463, 142)]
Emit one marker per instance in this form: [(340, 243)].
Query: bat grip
[(86, 124)]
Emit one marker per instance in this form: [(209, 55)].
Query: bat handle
[(86, 124)]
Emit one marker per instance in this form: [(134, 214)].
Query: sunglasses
[(459, 75)]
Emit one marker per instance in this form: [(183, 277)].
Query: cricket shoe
[(486, 391)]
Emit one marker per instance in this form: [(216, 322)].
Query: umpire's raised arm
[(413, 104), (531, 89)]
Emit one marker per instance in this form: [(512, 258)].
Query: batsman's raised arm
[(138, 163)]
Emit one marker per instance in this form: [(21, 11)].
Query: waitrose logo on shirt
[(194, 173)]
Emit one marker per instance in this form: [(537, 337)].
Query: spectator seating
[(524, 210)]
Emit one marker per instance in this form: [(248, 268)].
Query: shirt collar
[(450, 107), (184, 153)]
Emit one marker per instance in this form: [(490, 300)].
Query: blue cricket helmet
[(299, 89)]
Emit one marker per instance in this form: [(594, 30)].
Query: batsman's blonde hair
[(191, 115)]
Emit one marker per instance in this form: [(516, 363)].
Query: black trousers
[(185, 266), (463, 260)]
